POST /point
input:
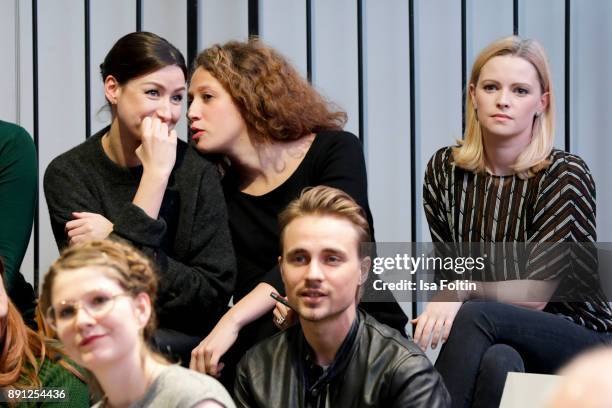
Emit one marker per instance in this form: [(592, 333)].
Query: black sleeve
[(416, 384), (434, 191), (242, 386), (204, 279), (66, 192)]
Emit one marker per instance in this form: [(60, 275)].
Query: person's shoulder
[(390, 338), (441, 156), (271, 349), (562, 161), (183, 387), (188, 159), (567, 167), (14, 135), (77, 157), (327, 138)]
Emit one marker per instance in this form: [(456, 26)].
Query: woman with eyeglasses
[(98, 297), (29, 361)]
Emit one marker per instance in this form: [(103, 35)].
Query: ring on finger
[(280, 320)]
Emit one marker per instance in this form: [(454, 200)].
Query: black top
[(335, 159), (190, 240), (374, 367)]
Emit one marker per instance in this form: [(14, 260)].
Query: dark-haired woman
[(280, 136), (135, 180)]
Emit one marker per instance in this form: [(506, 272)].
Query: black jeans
[(489, 339)]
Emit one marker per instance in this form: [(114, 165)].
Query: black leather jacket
[(374, 367)]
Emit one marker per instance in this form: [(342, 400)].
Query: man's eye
[(299, 259), (333, 259)]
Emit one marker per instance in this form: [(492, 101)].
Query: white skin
[(322, 273), (218, 127), (110, 346), (507, 97), (145, 110), (3, 300)]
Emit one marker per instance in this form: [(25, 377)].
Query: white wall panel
[(438, 86), (61, 77), (282, 24), (334, 59), (109, 21), (222, 21), (8, 45), (486, 21), (387, 117), (551, 35), (591, 109)]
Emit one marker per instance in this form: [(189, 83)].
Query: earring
[(538, 114)]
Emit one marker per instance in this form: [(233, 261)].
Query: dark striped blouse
[(556, 205)]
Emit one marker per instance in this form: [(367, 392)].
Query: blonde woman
[(99, 297), (506, 183)]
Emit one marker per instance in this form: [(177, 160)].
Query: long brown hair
[(273, 99), (23, 351)]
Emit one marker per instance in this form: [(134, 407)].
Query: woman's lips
[(197, 134), (90, 339)]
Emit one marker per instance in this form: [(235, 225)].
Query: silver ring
[(280, 321)]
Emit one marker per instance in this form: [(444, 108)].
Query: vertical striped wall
[(396, 66)]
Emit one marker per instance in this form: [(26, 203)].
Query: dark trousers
[(489, 339)]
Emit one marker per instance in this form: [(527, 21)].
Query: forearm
[(251, 307), (532, 294), (150, 193)]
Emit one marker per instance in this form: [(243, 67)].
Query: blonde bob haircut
[(470, 153)]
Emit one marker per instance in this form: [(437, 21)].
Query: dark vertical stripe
[(360, 66), (35, 118), (413, 181), (309, 40), (567, 74), (463, 62), (192, 30), (253, 18), (87, 70), (515, 17), (138, 15)]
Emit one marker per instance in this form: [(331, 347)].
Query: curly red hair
[(274, 100)]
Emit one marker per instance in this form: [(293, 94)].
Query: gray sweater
[(190, 240), (178, 387)]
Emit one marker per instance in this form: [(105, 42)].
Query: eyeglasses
[(96, 304)]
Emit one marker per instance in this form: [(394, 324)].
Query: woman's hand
[(157, 151), (284, 317), (205, 357), (435, 323), (87, 226)]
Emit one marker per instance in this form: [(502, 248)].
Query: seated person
[(336, 356), (18, 192), (29, 361), (98, 297), (135, 180)]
